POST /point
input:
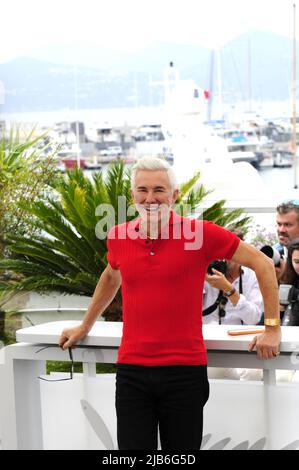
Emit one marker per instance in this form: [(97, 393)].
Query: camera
[(272, 253), (289, 296), (219, 265)]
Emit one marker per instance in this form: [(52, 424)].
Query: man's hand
[(70, 336), (104, 293), (267, 344)]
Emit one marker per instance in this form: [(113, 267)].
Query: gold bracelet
[(272, 322)]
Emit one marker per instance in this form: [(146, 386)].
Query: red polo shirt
[(162, 288)]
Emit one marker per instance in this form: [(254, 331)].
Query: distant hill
[(271, 65), (151, 60), (107, 78)]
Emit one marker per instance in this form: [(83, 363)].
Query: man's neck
[(234, 273), (153, 228)]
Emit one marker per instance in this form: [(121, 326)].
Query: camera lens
[(219, 265)]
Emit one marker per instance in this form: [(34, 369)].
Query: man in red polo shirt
[(161, 261)]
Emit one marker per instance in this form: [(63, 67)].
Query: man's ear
[(175, 195)]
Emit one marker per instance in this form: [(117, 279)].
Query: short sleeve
[(218, 242)]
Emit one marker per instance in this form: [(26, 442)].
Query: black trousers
[(170, 398)]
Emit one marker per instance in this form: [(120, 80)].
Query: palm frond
[(188, 185), (67, 253)]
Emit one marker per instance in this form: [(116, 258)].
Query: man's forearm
[(269, 289), (103, 295), (266, 344)]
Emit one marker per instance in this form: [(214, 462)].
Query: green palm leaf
[(65, 254)]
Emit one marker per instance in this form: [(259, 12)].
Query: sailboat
[(73, 158)]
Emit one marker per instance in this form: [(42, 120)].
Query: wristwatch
[(229, 292)]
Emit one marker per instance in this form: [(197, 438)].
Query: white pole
[(219, 83), (249, 78), (76, 115), (294, 102), (211, 86)]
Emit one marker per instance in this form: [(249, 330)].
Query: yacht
[(69, 150), (283, 157), (244, 144), (149, 140), (195, 147)]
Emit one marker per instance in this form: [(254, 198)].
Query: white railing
[(79, 413)]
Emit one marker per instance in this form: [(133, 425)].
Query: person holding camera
[(231, 294), (232, 297)]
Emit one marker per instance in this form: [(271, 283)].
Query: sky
[(28, 25)]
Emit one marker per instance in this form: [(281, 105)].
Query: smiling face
[(153, 196), (287, 227)]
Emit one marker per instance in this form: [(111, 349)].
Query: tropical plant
[(66, 254), (24, 175), (27, 164), (191, 197)]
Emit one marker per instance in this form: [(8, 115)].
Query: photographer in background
[(232, 297), (287, 222), (289, 288), (231, 294)]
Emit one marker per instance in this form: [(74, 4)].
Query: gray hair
[(154, 164), (288, 206)]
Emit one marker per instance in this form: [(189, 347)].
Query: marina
[(225, 119)]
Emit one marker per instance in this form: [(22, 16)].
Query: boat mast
[(171, 78), (211, 86), (294, 146), (249, 78), (75, 71), (219, 82)]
